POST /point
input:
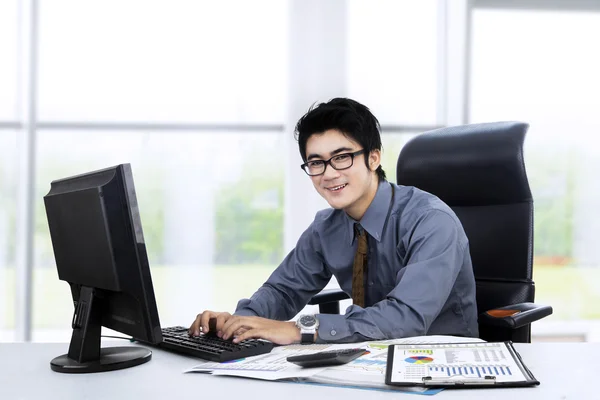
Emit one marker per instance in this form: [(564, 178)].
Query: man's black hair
[(350, 117)]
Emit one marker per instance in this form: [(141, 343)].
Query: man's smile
[(336, 188)]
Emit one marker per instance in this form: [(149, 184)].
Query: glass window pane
[(170, 60), (8, 55), (8, 209), (544, 71), (392, 144), (212, 212), (392, 56)]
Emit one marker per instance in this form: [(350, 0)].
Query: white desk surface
[(565, 370)]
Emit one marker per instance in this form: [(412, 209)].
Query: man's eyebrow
[(336, 151)]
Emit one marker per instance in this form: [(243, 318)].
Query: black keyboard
[(211, 347)]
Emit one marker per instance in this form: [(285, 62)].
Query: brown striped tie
[(359, 268)]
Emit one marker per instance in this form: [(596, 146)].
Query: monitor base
[(111, 358)]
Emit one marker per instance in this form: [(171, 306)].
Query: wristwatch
[(308, 325)]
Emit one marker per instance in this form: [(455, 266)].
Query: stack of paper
[(367, 371)]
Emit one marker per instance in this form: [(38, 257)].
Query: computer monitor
[(99, 249)]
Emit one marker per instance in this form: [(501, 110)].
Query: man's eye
[(341, 157), (313, 164)]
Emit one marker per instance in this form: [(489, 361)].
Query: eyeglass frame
[(328, 162)]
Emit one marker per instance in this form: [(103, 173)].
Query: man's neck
[(357, 210)]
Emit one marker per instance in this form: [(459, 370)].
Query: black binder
[(418, 365)]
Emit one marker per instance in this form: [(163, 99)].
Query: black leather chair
[(479, 171)]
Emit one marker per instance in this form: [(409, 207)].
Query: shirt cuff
[(332, 328)]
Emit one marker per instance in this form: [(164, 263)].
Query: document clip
[(459, 380)]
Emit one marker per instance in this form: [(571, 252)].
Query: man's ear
[(374, 159)]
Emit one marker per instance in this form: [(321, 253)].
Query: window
[(392, 145), (192, 95), (184, 61), (392, 63), (8, 55), (8, 162), (8, 173)]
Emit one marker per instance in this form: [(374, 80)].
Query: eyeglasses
[(337, 162)]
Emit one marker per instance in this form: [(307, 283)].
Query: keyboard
[(211, 347)]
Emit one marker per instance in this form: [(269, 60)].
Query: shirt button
[(333, 332), (371, 283)]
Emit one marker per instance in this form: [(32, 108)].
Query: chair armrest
[(329, 296), (515, 316)]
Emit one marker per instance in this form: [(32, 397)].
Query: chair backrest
[(478, 170)]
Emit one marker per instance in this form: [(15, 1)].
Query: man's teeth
[(333, 189)]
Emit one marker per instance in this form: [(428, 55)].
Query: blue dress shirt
[(419, 278)]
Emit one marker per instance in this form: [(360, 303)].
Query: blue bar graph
[(470, 371)]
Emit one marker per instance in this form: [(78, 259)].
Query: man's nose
[(330, 172)]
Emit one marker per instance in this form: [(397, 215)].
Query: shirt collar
[(376, 214)]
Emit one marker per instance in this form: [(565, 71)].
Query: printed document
[(367, 371), (455, 361)]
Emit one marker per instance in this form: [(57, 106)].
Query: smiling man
[(399, 252)]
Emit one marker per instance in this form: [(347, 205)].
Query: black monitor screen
[(99, 249)]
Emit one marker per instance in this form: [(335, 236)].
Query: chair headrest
[(478, 164)]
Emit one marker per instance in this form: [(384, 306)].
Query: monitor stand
[(85, 354)]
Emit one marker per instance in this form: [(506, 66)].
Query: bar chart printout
[(470, 371), (455, 362)]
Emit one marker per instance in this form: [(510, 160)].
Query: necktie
[(359, 268)]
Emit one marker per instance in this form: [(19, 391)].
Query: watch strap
[(308, 338)]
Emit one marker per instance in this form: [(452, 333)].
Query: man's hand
[(278, 332), (201, 324)]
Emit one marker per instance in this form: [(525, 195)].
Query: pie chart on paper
[(419, 360)]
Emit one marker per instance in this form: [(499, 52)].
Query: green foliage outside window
[(553, 183), (249, 220)]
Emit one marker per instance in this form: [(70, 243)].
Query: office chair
[(478, 170)]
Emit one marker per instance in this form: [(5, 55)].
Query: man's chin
[(337, 204)]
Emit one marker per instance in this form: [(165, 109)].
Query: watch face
[(308, 321)]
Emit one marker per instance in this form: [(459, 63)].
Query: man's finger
[(204, 322), (195, 327), (250, 334), (235, 323), (222, 318), (239, 331)]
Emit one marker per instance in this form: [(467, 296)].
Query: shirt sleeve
[(301, 275), (435, 250)]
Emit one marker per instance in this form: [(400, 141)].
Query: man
[(413, 274)]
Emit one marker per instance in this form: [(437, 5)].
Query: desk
[(25, 374)]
